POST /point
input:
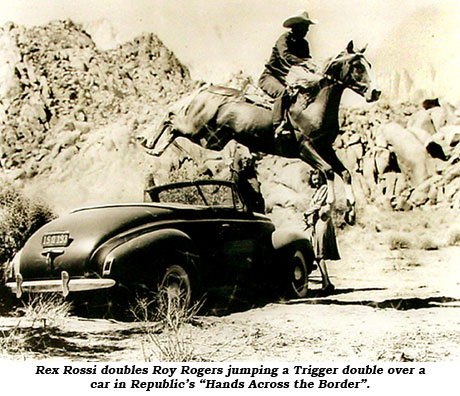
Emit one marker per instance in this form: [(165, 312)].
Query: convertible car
[(186, 237)]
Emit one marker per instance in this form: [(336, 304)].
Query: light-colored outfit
[(323, 235)]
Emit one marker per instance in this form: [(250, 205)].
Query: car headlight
[(13, 266)]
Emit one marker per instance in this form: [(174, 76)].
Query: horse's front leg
[(350, 214), (339, 168), (309, 155)]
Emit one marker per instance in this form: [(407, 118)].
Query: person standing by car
[(318, 218), (244, 175), (290, 49)]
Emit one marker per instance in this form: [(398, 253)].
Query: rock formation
[(57, 86), (70, 113)]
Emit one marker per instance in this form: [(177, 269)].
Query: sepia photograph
[(271, 181)]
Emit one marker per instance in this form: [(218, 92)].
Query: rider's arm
[(286, 53)]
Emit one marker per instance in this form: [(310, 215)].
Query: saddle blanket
[(251, 94)]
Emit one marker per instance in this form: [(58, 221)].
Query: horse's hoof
[(326, 291), (154, 153), (350, 218), (142, 140), (350, 215)]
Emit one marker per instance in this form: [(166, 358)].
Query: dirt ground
[(389, 305)]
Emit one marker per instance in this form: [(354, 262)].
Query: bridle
[(338, 71)]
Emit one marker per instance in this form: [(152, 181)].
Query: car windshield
[(208, 194)]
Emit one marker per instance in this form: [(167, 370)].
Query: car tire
[(297, 273), (176, 284)]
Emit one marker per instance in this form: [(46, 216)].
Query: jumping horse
[(211, 118)]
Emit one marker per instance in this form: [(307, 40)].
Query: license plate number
[(56, 239)]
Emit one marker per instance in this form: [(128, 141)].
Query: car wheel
[(176, 286), (298, 274)]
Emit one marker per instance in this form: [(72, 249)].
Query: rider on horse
[(290, 49)]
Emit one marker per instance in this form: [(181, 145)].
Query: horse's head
[(352, 69)]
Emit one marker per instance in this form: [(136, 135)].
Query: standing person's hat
[(301, 18)]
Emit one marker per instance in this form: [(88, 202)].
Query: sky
[(216, 37)]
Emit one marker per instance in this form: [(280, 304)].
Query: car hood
[(87, 228)]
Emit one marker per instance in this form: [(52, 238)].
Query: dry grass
[(13, 341), (167, 326), (47, 309), (398, 241), (428, 243)]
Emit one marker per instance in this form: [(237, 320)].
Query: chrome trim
[(107, 266), (65, 278), (64, 285), (18, 284)]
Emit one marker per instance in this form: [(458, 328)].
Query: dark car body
[(210, 238)]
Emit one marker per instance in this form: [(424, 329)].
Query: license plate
[(55, 239)]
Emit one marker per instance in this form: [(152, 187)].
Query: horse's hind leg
[(158, 144), (162, 141)]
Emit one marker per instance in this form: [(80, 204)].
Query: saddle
[(250, 94), (298, 81)]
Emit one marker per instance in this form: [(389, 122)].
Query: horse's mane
[(303, 79), (331, 66)]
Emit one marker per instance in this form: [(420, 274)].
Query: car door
[(239, 235)]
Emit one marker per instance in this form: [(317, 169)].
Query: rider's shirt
[(286, 53)]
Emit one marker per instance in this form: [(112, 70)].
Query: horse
[(212, 117)]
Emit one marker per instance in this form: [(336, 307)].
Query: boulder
[(451, 134), (420, 194), (411, 154), (439, 117), (422, 120)]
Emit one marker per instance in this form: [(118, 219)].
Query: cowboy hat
[(301, 18)]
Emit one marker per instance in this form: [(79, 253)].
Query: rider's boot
[(280, 123)]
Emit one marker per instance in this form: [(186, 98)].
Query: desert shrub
[(171, 341), (38, 316), (187, 170), (428, 243), (453, 237), (398, 241), (19, 219), (47, 309), (13, 341)]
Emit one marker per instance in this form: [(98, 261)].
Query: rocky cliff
[(56, 87)]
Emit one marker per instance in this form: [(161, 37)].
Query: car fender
[(283, 238), (151, 251)]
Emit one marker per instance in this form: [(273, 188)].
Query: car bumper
[(65, 285)]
